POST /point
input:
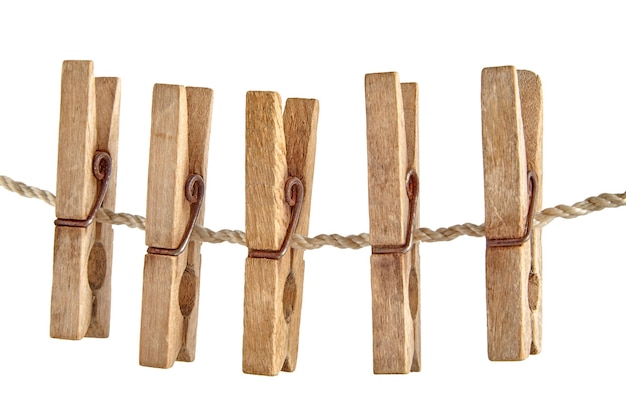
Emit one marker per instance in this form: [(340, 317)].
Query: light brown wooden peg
[(392, 138), (178, 148), (277, 147), (512, 264), (83, 248)]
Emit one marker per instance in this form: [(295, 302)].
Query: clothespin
[(512, 122), (86, 179), (280, 157), (179, 142), (392, 157)]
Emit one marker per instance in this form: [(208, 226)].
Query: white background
[(323, 50)]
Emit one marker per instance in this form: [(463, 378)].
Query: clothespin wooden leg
[(86, 180), (393, 189), (512, 143), (177, 168), (531, 98), (199, 109), (280, 154), (411, 124), (300, 123), (101, 257)]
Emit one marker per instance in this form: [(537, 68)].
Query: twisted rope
[(587, 206)]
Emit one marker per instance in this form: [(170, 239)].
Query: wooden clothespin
[(280, 157), (392, 149), (512, 152), (179, 142), (86, 180)]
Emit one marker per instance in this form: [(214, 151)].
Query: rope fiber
[(200, 233)]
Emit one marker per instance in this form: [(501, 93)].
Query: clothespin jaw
[(86, 181), (512, 156), (179, 143), (392, 147), (280, 156)]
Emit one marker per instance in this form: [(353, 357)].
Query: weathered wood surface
[(178, 147), (511, 133), (392, 137), (277, 146), (81, 283)]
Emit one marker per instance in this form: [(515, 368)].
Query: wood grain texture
[(181, 127), (267, 213), (506, 210), (267, 216), (508, 314), (387, 158), (100, 263), (70, 305), (167, 210), (531, 98), (300, 123), (410, 104), (76, 185), (392, 324), (392, 137), (277, 146), (71, 301), (199, 111), (504, 156), (81, 283), (415, 303), (264, 325), (161, 335)]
